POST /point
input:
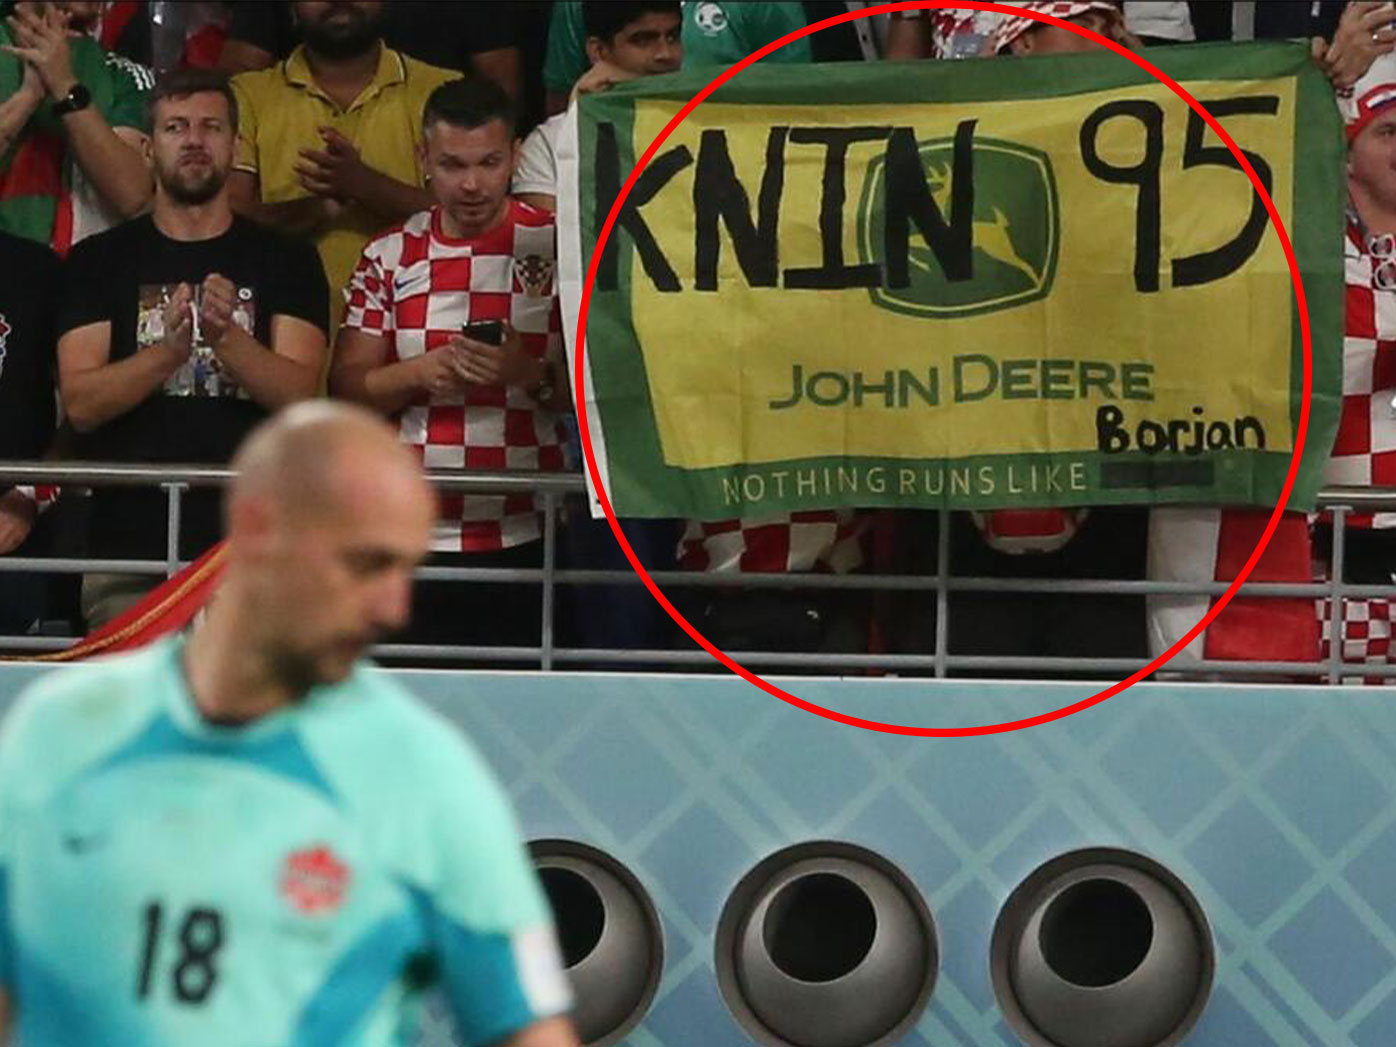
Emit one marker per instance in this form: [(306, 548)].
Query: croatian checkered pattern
[(955, 29), (1364, 452), (416, 287), (1366, 634), (43, 496), (823, 540)]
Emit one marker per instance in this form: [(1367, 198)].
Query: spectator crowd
[(211, 210)]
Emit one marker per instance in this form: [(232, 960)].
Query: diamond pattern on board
[(1332, 807), (699, 858), (980, 813), (820, 786), (605, 768), (1329, 950), (1233, 851), (1158, 749)]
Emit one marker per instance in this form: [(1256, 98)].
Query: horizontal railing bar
[(1112, 668), (1108, 668), (33, 644), (703, 580), (1360, 499), (78, 565), (921, 582), (120, 474)]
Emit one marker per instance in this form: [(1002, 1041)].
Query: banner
[(984, 284), (169, 608)]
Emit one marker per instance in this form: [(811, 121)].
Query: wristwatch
[(77, 99), (547, 385)]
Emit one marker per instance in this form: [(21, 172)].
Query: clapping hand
[(217, 299), (178, 316), (41, 42), (337, 171)]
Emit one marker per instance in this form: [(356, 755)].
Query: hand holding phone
[(488, 332), (498, 358)]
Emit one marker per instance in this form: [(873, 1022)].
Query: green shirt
[(566, 59), (724, 33), (713, 34), (35, 173), (299, 881)]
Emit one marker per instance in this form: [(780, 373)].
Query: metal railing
[(552, 488)]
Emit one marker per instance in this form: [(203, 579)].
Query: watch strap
[(546, 386), (77, 99)]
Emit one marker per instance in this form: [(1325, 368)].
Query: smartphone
[(491, 332)]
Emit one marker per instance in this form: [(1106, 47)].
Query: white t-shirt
[(91, 212), (537, 169)]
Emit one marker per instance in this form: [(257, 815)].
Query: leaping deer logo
[(991, 237)]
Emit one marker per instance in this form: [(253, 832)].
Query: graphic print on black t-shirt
[(202, 374)]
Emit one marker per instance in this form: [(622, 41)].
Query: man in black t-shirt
[(180, 330), (27, 302)]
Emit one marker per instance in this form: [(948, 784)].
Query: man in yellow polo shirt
[(328, 145)]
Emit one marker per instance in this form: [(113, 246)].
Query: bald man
[(247, 837)]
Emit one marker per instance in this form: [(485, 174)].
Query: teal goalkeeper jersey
[(299, 882)]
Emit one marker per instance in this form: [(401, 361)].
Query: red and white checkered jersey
[(416, 286), (828, 540), (1366, 636), (1364, 451)]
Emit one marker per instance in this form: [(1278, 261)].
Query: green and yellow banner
[(984, 284)]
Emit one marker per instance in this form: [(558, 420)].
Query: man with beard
[(180, 330), (328, 146), (248, 837)]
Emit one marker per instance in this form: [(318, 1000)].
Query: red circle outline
[(1011, 725)]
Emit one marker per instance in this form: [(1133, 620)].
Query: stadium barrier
[(549, 655), (1201, 863)]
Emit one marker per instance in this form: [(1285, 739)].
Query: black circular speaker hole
[(1096, 933), (819, 927), (577, 910)]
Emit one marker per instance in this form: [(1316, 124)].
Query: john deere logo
[(1016, 232)]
